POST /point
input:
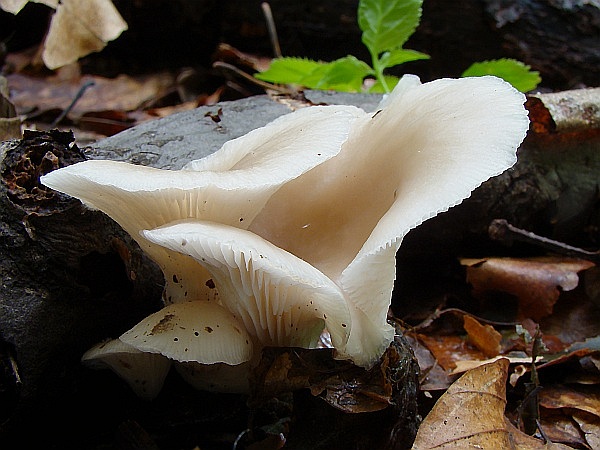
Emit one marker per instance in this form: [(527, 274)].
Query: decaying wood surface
[(71, 277)]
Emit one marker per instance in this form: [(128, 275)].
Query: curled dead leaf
[(78, 28), (484, 337), (535, 282)]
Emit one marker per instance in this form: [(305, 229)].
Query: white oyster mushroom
[(322, 215), (229, 186)]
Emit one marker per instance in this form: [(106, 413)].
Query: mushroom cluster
[(292, 229)]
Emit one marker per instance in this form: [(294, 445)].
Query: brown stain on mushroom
[(165, 324)]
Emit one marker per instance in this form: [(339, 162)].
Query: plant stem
[(379, 72)]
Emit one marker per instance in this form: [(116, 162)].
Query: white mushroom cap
[(144, 372), (230, 186), (427, 148), (281, 299), (203, 332)]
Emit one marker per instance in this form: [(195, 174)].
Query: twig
[(68, 109), (503, 231), (266, 8), (250, 78)]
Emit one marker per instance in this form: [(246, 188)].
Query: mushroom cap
[(281, 299), (144, 372), (229, 186), (203, 332), (425, 150)]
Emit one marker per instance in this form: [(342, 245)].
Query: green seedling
[(386, 26)]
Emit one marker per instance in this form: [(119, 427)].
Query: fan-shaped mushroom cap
[(144, 372), (281, 299), (203, 332), (230, 186), (425, 150)]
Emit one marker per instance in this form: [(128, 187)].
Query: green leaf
[(515, 72), (400, 56), (288, 70), (387, 24), (344, 75)]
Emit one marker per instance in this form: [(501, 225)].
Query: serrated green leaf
[(400, 56), (288, 70), (387, 24), (515, 72), (344, 75), (379, 88)]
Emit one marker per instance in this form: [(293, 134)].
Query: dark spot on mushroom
[(185, 349), (241, 219), (196, 333), (176, 339), (247, 342), (237, 329), (183, 242), (208, 329), (165, 324), (210, 284), (373, 116), (324, 316), (344, 325), (175, 279)]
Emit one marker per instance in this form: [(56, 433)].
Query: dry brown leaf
[(582, 398), (536, 282), (447, 350), (560, 427), (590, 426), (522, 441), (122, 93), (78, 28), (470, 414), (484, 337), (465, 365)]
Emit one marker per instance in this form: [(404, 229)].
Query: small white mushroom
[(202, 332), (144, 372)]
